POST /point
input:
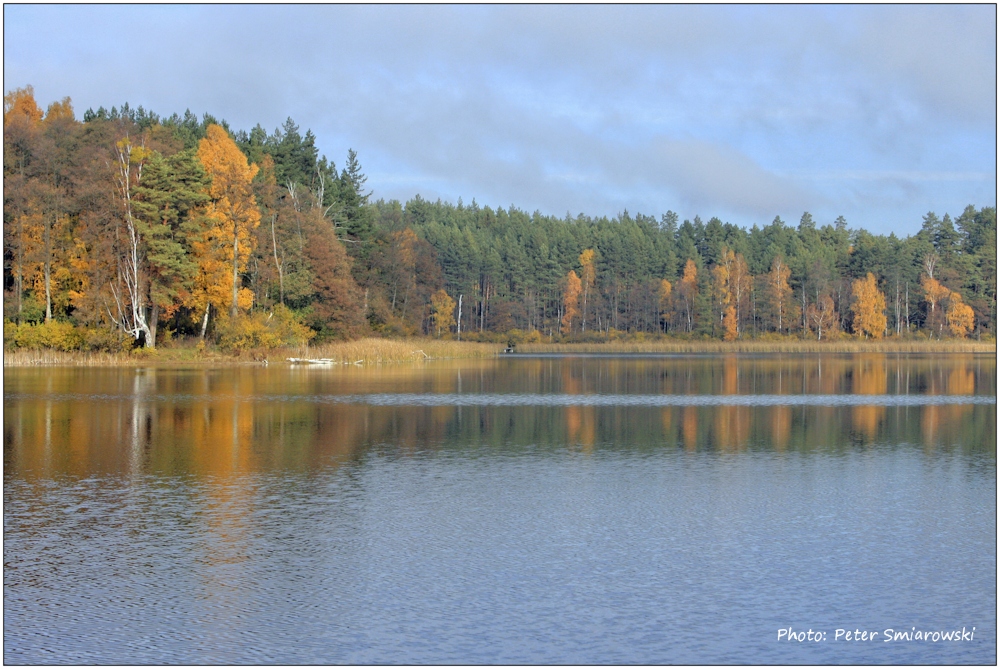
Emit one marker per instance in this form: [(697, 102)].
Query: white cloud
[(580, 108)]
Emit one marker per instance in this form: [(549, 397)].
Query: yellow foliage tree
[(729, 331), (62, 110), (740, 283), (20, 104), (571, 301), (934, 294), (688, 291), (232, 210), (779, 293), (442, 311), (720, 284), (731, 283), (961, 317), (868, 307)]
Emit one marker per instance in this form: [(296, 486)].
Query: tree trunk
[(281, 274), (236, 247), (907, 307), (204, 321), (804, 324), (48, 291), (154, 318)]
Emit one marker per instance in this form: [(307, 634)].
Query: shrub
[(57, 335), (280, 327), (106, 339), (9, 333)]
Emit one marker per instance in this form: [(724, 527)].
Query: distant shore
[(388, 351), (768, 346)]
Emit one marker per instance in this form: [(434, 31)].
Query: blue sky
[(876, 113)]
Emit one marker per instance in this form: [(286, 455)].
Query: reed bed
[(384, 351), (27, 358), (389, 351), (766, 346), (138, 358), (362, 352)]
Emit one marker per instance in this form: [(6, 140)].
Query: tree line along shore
[(183, 238)]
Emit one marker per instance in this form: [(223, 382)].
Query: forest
[(128, 229)]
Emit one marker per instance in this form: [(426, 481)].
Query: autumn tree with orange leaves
[(571, 301), (778, 294), (934, 295), (868, 307), (731, 285), (234, 215), (687, 291), (442, 311)]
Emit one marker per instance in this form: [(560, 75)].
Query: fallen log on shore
[(312, 361)]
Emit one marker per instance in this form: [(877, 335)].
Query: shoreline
[(393, 351), (766, 346)]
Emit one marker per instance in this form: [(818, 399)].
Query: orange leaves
[(729, 331), (690, 276), (663, 295), (868, 307), (688, 291), (337, 309), (934, 292), (60, 111), (20, 105), (731, 281), (720, 285), (442, 311), (231, 173), (779, 293), (961, 318), (588, 274), (666, 288), (233, 211), (571, 301), (958, 316)]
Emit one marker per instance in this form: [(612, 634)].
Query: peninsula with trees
[(125, 230)]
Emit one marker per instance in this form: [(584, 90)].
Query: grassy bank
[(768, 346), (361, 351), (389, 351), (380, 351)]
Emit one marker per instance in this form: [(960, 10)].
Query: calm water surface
[(671, 509)]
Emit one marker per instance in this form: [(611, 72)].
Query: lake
[(578, 509)]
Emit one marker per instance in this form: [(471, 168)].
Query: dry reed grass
[(765, 346), (386, 351), (361, 351), (139, 358), (383, 351)]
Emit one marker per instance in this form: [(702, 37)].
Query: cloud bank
[(745, 112)]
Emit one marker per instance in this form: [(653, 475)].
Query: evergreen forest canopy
[(130, 227)]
